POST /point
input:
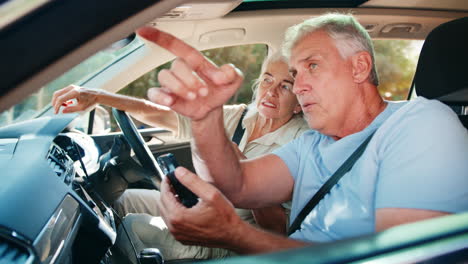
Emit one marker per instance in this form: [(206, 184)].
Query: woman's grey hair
[(350, 37), (275, 57)]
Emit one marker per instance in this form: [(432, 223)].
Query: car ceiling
[(29, 69)]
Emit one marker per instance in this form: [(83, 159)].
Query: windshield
[(38, 102)]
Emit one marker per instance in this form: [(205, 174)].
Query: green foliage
[(248, 58), (395, 60), (396, 63)]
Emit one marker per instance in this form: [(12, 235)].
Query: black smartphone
[(168, 164)]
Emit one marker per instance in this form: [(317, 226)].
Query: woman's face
[(275, 98)]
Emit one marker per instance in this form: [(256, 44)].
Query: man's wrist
[(209, 119), (247, 239), (237, 236)]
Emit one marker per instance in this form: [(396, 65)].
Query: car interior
[(61, 173), (444, 46)]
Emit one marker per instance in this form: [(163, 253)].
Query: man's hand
[(211, 222), (192, 77)]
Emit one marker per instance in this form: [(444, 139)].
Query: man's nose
[(300, 84)]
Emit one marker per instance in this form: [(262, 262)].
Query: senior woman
[(272, 119)]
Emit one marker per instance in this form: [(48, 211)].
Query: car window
[(248, 58), (396, 62), (36, 104)]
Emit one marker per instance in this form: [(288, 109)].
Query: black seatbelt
[(236, 138), (347, 165)]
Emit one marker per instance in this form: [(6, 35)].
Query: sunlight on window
[(35, 104), (396, 62), (248, 58)]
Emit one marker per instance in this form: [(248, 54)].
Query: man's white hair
[(350, 37)]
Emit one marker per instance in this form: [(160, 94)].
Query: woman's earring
[(297, 111)]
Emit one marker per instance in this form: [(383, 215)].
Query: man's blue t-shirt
[(418, 158)]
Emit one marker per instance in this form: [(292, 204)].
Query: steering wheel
[(136, 142)]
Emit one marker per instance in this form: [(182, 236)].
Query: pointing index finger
[(181, 49)]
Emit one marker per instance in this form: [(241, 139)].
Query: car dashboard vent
[(57, 160), (11, 253), (60, 163)]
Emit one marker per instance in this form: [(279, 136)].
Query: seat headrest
[(442, 71)]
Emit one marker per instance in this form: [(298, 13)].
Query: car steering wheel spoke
[(136, 142)]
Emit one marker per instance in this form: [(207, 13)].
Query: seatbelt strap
[(347, 165), (236, 138)]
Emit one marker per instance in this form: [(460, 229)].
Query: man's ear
[(362, 66)]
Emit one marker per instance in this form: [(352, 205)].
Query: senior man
[(413, 168)]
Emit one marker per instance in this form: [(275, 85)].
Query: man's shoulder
[(419, 120), (426, 107), (421, 111)]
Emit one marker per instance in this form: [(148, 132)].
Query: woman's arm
[(143, 110)]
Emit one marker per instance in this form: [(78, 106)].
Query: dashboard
[(49, 212)]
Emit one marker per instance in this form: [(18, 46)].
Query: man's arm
[(422, 178), (273, 218), (196, 88), (213, 222), (251, 240), (253, 183), (389, 217)]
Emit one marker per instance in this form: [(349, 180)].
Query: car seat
[(442, 72)]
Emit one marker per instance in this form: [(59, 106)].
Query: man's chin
[(313, 123)]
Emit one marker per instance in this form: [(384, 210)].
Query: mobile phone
[(168, 164)]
